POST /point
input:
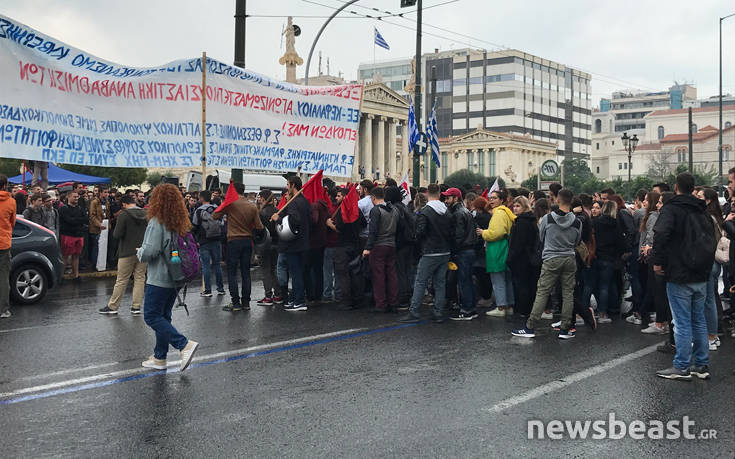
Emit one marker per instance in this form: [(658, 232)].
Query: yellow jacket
[(500, 224)]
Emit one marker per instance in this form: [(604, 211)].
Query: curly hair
[(167, 205)]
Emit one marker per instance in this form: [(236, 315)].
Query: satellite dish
[(296, 30)]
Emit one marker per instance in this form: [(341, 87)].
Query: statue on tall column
[(291, 58), (411, 86)]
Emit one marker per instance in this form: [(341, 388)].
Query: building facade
[(395, 74), (631, 107), (511, 92)]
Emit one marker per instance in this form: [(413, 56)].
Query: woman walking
[(712, 302), (523, 259), (496, 253), (167, 218)]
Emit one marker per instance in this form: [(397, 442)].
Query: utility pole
[(432, 170), (691, 152), (719, 148), (240, 17), (417, 96)]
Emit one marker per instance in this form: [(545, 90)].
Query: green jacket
[(129, 231)]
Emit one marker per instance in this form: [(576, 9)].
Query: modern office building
[(511, 92), (394, 73)]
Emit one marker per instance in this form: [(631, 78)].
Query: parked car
[(36, 265)]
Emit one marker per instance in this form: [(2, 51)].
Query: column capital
[(369, 116), (383, 118)]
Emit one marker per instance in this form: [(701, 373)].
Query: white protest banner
[(60, 104), (405, 190)]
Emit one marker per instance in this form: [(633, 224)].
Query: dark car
[(36, 264)]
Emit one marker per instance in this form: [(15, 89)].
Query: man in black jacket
[(350, 285), (434, 232), (294, 248), (406, 256), (683, 250), (465, 238), (74, 224), (381, 248)]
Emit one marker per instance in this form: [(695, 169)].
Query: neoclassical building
[(378, 150), (512, 157)]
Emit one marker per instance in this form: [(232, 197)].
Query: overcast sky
[(645, 44)]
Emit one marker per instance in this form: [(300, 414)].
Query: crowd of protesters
[(517, 254)]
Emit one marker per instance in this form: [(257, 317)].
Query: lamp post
[(719, 148), (629, 143)]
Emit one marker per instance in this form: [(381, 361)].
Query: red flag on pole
[(282, 202), (313, 190), (484, 194), (230, 197), (349, 210)]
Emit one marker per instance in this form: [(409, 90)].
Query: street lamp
[(629, 143)]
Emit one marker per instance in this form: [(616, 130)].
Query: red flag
[(313, 189), (484, 194), (282, 202), (349, 210), (230, 197)]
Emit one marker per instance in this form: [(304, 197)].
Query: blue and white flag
[(413, 129), (379, 40), (433, 135)]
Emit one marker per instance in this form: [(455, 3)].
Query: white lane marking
[(175, 363), (66, 372), (569, 380)]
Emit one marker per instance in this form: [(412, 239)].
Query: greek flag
[(413, 130), (433, 135), (379, 40)]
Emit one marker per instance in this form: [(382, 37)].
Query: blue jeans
[(687, 309), (434, 268), (604, 272), (211, 254), (710, 305), (635, 282), (157, 308), (94, 249), (331, 290), (295, 262), (503, 288), (282, 273), (464, 260), (238, 254)]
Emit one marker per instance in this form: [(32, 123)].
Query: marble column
[(392, 160), (367, 151), (380, 144)]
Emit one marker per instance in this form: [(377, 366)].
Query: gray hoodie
[(560, 233)]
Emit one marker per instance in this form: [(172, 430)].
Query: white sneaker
[(187, 353), (654, 330), (556, 324), (5, 314), (713, 345), (717, 341), (632, 319), (547, 316), (580, 321), (153, 362), (497, 312), (604, 319)]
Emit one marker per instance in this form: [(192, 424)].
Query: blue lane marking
[(72, 389)]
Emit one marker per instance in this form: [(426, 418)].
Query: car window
[(21, 229)]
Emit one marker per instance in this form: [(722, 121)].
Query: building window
[(620, 166), (598, 169), (726, 152), (613, 142), (444, 165), (598, 126), (625, 166), (597, 145), (660, 132), (694, 128), (681, 154), (470, 158)]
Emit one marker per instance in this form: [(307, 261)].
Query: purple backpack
[(189, 267)]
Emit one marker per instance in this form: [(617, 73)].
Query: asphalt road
[(326, 383)]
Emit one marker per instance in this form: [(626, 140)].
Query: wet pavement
[(328, 383)]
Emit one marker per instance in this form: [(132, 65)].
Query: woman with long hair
[(525, 268), (645, 244), (712, 303), (596, 209), (609, 248), (496, 253), (168, 218), (656, 284), (484, 284)]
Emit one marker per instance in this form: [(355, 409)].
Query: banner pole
[(204, 120)]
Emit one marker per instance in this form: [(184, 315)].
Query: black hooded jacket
[(523, 242)]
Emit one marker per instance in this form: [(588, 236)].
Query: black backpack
[(699, 244)]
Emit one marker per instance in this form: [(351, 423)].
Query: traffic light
[(407, 3)]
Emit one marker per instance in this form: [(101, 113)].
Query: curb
[(93, 275)]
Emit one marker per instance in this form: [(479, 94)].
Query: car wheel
[(28, 284)]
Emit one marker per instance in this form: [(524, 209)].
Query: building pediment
[(479, 135), (382, 94)]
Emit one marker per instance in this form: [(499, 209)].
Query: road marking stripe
[(104, 379), (569, 380)]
